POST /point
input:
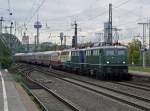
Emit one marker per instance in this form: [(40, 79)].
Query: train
[(104, 63)]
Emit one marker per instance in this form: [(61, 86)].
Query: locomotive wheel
[(116, 76), (102, 76), (111, 76), (98, 75), (120, 76)]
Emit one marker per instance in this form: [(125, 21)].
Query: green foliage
[(148, 58), (5, 61), (134, 52), (140, 69), (5, 55)]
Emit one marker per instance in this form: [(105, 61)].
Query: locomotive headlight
[(107, 62), (124, 62)]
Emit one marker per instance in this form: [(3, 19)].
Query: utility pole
[(61, 37), (1, 25), (144, 41), (35, 42), (110, 26), (11, 26), (149, 34), (64, 40), (75, 40), (37, 32), (25, 41)]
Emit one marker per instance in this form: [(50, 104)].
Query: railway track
[(68, 103), (140, 84), (134, 85), (130, 99)]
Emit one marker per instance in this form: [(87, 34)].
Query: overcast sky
[(57, 16)]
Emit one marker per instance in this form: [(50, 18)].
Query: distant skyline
[(57, 16)]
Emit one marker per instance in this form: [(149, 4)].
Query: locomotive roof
[(102, 47)]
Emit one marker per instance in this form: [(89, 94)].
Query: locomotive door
[(82, 58)]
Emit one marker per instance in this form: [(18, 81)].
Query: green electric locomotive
[(106, 63)]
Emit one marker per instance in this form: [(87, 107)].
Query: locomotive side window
[(72, 53), (95, 52), (110, 52), (87, 53), (75, 53)]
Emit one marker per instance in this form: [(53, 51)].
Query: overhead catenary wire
[(117, 6), (31, 9), (9, 6), (122, 3), (36, 11)]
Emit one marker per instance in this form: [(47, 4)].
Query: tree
[(5, 55), (134, 52)]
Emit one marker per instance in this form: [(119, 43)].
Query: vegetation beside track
[(140, 69), (5, 55)]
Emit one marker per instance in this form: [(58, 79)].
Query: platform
[(12, 95)]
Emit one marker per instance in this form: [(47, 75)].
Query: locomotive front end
[(115, 62)]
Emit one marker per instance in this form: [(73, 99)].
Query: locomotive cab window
[(110, 52), (121, 52)]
